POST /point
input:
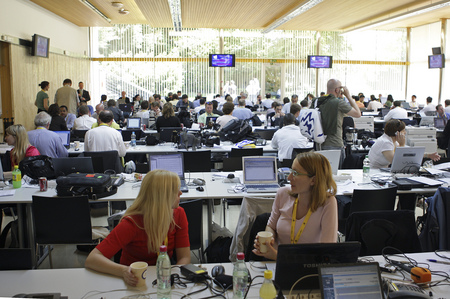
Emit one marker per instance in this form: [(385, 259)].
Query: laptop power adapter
[(193, 273)]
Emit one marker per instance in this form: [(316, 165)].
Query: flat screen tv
[(436, 61), (40, 46), (222, 60), (320, 62)]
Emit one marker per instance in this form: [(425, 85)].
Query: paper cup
[(263, 238), (139, 269), (76, 144)]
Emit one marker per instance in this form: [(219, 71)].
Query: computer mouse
[(201, 189), (217, 270), (199, 182), (230, 176)]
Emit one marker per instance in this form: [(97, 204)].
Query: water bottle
[(163, 274), (267, 290), (269, 121), (133, 139), (366, 168), (250, 122), (240, 277), (17, 177)]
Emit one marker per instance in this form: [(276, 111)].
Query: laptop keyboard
[(262, 186)]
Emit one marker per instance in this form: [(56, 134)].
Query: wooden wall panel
[(28, 71)]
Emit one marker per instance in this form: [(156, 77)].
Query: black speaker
[(436, 51)]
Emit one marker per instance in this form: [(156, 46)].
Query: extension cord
[(315, 294)]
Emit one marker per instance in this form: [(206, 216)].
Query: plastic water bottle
[(17, 177), (366, 168), (250, 122), (269, 122), (163, 274), (240, 277), (267, 290), (133, 139)]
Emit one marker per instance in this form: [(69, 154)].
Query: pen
[(439, 262)]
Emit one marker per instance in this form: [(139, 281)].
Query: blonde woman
[(17, 136), (168, 118), (153, 219), (307, 211)]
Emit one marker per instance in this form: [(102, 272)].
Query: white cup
[(76, 144), (264, 237), (139, 269)]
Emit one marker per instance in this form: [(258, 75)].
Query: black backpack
[(219, 250), (235, 130)]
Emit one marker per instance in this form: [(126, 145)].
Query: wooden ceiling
[(330, 15)]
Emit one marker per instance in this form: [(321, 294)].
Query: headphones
[(199, 182)]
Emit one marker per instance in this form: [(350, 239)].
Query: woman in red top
[(153, 219), (17, 136)]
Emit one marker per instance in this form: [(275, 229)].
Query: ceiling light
[(307, 5), (117, 4), (175, 11), (405, 15), (124, 11), (95, 9)]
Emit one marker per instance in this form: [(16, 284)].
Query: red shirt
[(30, 152), (133, 240)]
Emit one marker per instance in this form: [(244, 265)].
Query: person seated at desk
[(168, 118), (382, 151), (306, 212), (84, 121), (374, 104), (155, 218), (241, 111), (208, 112), (228, 108), (17, 136), (389, 101), (143, 113), (288, 137), (58, 122), (276, 118), (441, 113), (396, 112), (47, 142)]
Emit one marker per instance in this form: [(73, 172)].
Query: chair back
[(232, 164), (241, 152), (62, 220), (373, 200), (166, 133), (126, 134), (266, 134), (259, 225), (193, 210), (105, 160), (197, 161), (298, 150), (15, 259), (78, 135)]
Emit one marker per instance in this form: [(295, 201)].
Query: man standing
[(104, 138), (241, 112), (333, 109), (68, 117), (67, 96), (288, 138), (82, 93), (397, 112), (287, 107), (208, 112), (84, 122), (47, 142)]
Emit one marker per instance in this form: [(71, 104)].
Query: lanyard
[(294, 215)]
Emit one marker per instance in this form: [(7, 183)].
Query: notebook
[(439, 123), (171, 162), (134, 123), (361, 280), (406, 160), (297, 260), (65, 166), (260, 174), (65, 137)]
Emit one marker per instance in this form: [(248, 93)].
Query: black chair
[(286, 163), (105, 160), (126, 134), (297, 150), (15, 259), (61, 220), (167, 133), (241, 152), (378, 229), (265, 133), (409, 122), (259, 224), (232, 164), (194, 211), (77, 135), (197, 161)]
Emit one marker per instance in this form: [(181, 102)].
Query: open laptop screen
[(170, 162), (259, 170), (64, 136), (407, 159), (134, 123)]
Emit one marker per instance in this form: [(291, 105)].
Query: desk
[(76, 283)]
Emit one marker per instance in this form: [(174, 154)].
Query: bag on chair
[(94, 185), (37, 166)]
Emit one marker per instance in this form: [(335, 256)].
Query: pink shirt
[(322, 226)]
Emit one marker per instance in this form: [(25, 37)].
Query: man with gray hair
[(241, 112), (84, 121), (287, 107), (47, 142)]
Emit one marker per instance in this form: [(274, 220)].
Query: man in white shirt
[(397, 112), (287, 107), (85, 121), (413, 103), (428, 108), (287, 138), (447, 106), (104, 138), (143, 113)]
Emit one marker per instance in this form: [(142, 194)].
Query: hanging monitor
[(222, 60), (320, 62), (40, 46), (436, 61)]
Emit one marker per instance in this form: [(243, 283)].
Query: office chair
[(241, 152), (409, 122), (61, 220), (265, 133), (378, 229), (259, 224), (105, 160), (77, 135), (285, 163), (232, 164), (126, 134), (297, 150), (194, 211), (197, 161), (15, 259), (167, 133)]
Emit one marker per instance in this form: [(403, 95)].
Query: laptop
[(65, 166), (126, 107), (405, 105), (65, 137), (333, 156), (134, 123), (384, 111), (298, 260), (427, 121), (406, 160), (359, 280), (439, 123), (211, 121), (260, 174), (171, 162)]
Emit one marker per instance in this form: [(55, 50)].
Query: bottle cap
[(16, 166), (163, 248), (240, 256), (268, 274)]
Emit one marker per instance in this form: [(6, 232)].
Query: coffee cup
[(139, 269), (263, 238)]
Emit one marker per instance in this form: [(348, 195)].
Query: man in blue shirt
[(47, 142), (68, 117), (241, 112), (184, 103)]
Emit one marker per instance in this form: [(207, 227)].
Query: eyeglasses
[(296, 173)]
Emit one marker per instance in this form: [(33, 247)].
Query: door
[(273, 80)]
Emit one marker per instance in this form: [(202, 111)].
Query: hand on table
[(129, 277)]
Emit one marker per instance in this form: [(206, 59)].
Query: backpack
[(219, 250), (235, 130), (37, 166)]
